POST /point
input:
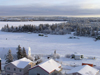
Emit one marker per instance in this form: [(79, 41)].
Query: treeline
[(33, 18), (48, 18), (85, 28), (80, 28), (61, 28), (87, 31)]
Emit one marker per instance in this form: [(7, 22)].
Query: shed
[(78, 56), (87, 64), (49, 67)]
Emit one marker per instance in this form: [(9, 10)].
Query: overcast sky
[(50, 7)]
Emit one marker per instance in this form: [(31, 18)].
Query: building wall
[(32, 64), (37, 70), (11, 70)]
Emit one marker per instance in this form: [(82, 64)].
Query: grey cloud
[(52, 10)]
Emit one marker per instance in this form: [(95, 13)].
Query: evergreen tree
[(18, 47), (24, 53), (19, 53), (9, 57)]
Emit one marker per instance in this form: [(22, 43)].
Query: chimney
[(48, 57), (0, 64)]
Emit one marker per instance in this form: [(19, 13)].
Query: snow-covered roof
[(84, 70), (77, 54), (50, 65), (21, 63)]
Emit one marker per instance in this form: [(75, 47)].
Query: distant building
[(78, 56), (19, 67), (49, 67), (87, 64), (83, 70)]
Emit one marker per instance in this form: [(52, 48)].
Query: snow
[(46, 45), (50, 65), (84, 70), (21, 63)]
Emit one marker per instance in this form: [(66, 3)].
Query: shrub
[(40, 35)]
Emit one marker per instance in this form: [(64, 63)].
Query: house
[(19, 67), (77, 56), (83, 70), (49, 67)]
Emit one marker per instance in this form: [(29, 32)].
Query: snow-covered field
[(46, 45)]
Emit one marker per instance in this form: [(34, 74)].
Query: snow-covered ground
[(46, 45)]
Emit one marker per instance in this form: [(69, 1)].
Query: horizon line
[(51, 16)]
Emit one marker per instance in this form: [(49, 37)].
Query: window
[(20, 70), (38, 74), (14, 69), (8, 68)]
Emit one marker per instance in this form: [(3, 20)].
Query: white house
[(19, 67), (77, 56), (83, 70), (49, 67)]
